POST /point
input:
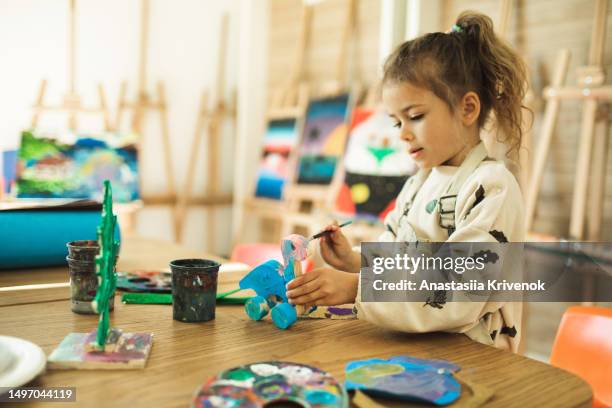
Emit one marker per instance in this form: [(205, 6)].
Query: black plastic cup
[(83, 286), (83, 250), (194, 289)]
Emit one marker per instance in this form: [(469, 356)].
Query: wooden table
[(185, 354)]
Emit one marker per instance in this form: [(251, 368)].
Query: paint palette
[(405, 378), (145, 281), (259, 384)]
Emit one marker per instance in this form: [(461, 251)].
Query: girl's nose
[(407, 135)]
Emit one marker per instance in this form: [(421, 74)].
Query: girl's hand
[(323, 286), (336, 250)]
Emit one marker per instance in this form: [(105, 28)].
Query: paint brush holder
[(83, 250), (194, 289), (83, 286)]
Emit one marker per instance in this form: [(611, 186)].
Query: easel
[(210, 120), (303, 201), (287, 102), (140, 106), (72, 106), (72, 101), (593, 133)]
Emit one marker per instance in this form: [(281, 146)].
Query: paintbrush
[(327, 232)]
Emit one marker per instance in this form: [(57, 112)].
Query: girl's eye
[(397, 125), (416, 118)]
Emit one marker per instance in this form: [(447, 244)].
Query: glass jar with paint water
[(194, 289), (83, 279)]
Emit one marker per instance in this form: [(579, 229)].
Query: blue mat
[(31, 238)]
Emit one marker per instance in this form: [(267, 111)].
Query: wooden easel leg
[(213, 174), (104, 108), (548, 128), (597, 193), (183, 199), (120, 106), (525, 153), (583, 164), (598, 179), (39, 103), (163, 116)]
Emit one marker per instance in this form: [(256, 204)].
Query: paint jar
[(194, 289), (83, 250), (83, 286)]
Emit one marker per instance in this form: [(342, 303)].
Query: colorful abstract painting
[(131, 351), (323, 139), (272, 383), (405, 378), (376, 165), (278, 143), (48, 167)]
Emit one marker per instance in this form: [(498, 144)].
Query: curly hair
[(468, 58)]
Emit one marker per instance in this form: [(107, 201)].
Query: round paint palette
[(258, 384)]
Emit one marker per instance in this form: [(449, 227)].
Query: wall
[(183, 40), (539, 29), (326, 35)]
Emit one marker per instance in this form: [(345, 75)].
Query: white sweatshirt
[(488, 209)]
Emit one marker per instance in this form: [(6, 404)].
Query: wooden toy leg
[(297, 269)]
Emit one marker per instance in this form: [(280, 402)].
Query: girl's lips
[(416, 152)]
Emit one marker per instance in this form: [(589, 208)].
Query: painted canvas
[(49, 167), (130, 351), (9, 164), (405, 378), (278, 143), (323, 139), (376, 164)]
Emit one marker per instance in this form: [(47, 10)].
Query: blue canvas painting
[(50, 168), (273, 170), (323, 139)]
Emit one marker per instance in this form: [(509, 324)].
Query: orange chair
[(583, 346)]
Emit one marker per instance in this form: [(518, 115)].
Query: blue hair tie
[(456, 29)]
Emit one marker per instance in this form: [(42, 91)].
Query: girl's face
[(434, 134)]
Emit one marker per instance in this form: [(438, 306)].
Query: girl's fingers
[(311, 299), (300, 280), (304, 289)]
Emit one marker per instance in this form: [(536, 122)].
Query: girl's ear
[(470, 108)]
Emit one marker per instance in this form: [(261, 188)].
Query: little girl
[(440, 89)]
